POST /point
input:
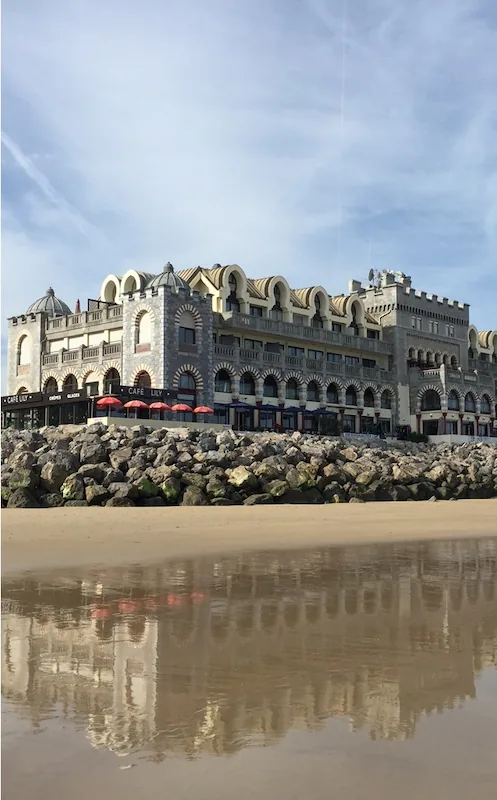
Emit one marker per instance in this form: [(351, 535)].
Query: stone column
[(418, 423), (444, 422), (360, 412), (461, 416)]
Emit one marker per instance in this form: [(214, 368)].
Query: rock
[(334, 493), (73, 488), (22, 498), (53, 475), (22, 458), (128, 490), (96, 495), (314, 496), (216, 488), (366, 478), (193, 496), (421, 490), (93, 453), (112, 475), (350, 454), (119, 458), (171, 490), (294, 496), (153, 501), (351, 470), (277, 488), (437, 474), (356, 500), (400, 493), (146, 488), (241, 478), (258, 500), (120, 502), (51, 500), (222, 501), (92, 471), (75, 503), (194, 479), (22, 478)]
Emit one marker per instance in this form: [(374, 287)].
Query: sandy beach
[(54, 538)]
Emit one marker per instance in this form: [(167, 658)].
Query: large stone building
[(262, 354)]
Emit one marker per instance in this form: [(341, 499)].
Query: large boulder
[(171, 489), (22, 498), (258, 500), (194, 496), (73, 488), (241, 478), (96, 495), (93, 453), (53, 475), (120, 502), (22, 478)]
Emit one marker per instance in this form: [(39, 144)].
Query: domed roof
[(49, 304), (168, 277)]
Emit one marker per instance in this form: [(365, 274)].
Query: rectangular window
[(373, 334), (348, 423), (337, 327), (430, 326), (368, 362), (451, 330), (315, 355), (187, 335), (252, 344), (413, 322), (351, 360), (297, 352), (273, 347), (335, 357), (231, 341), (256, 311), (418, 323)]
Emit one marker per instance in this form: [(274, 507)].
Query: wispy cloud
[(262, 132)]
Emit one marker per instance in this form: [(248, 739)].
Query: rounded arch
[(454, 399), (23, 350), (421, 356), (292, 389), (93, 374), (70, 383), (283, 292), (470, 402), (454, 362), (351, 395), (51, 384), (429, 398), (412, 354), (438, 359), (248, 382), (430, 359), (270, 384), (143, 379), (224, 379), (387, 397), (313, 391), (333, 393), (320, 303), (446, 359), (131, 282), (369, 397), (485, 403), (192, 369), (297, 376), (188, 309), (22, 390), (473, 341), (112, 380), (356, 315), (110, 291)]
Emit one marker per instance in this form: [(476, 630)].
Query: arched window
[(187, 328), (485, 404), (430, 401), (232, 302), (187, 381), (386, 399), (445, 359), (438, 359), (332, 394), (270, 387), (22, 390), (51, 386), (144, 330), (292, 389), (70, 383), (143, 380), (351, 396), (222, 382), (313, 392), (470, 403), (110, 292), (23, 352), (277, 298), (421, 357), (453, 401), (247, 384), (412, 354), (317, 320), (429, 359), (453, 362), (112, 381), (368, 399), (129, 285)]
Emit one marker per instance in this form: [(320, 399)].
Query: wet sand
[(53, 538)]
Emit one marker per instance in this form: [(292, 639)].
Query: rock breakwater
[(95, 465)]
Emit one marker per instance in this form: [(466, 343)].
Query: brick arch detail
[(296, 376), (271, 372), (252, 371), (51, 377), (113, 365), (314, 377), (193, 311), (143, 308), (226, 366), (199, 381), (427, 388), (144, 368)]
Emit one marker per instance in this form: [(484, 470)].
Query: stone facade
[(382, 353)]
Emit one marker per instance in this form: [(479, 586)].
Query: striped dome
[(49, 304)]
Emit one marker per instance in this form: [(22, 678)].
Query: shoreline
[(78, 537)]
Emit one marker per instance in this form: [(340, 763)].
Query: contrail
[(46, 188)]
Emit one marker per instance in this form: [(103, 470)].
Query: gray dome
[(168, 277), (49, 304)]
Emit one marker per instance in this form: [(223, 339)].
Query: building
[(262, 354)]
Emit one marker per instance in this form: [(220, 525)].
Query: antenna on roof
[(371, 275)]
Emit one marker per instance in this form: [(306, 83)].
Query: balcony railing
[(82, 354), (294, 331), (103, 315)]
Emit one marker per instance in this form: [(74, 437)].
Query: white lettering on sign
[(136, 390), (73, 395), (55, 397)]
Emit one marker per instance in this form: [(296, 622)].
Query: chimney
[(78, 307)]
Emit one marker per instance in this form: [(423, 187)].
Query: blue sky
[(312, 138)]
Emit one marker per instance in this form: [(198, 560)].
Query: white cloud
[(202, 132)]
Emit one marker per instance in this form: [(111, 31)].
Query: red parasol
[(203, 410), (135, 404), (109, 401), (181, 407), (159, 406)]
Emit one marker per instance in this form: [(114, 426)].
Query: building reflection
[(212, 656)]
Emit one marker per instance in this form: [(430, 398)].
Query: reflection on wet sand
[(211, 656)]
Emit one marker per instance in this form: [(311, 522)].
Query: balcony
[(112, 314), (260, 358), (289, 330), (83, 355)]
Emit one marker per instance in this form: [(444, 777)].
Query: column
[(341, 412), (460, 423), (477, 420), (444, 422), (418, 423), (360, 412)]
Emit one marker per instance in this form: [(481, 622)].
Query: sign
[(146, 392), (42, 399), (19, 399)]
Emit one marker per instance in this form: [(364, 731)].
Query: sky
[(310, 138)]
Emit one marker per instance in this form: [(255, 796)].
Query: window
[(187, 381), (256, 311), (70, 383), (386, 399), (315, 355), (112, 381), (449, 330), (453, 401), (232, 303), (416, 323), (317, 320), (187, 335), (229, 340), (332, 394), (252, 344), (334, 357), (337, 327), (368, 399), (485, 405), (296, 352), (430, 401), (348, 423), (351, 360), (351, 396), (23, 352), (368, 362), (143, 379), (432, 326), (277, 298), (247, 384), (232, 283), (313, 392), (273, 347), (222, 382), (292, 389), (144, 331), (413, 322), (270, 388), (373, 334), (51, 386)]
